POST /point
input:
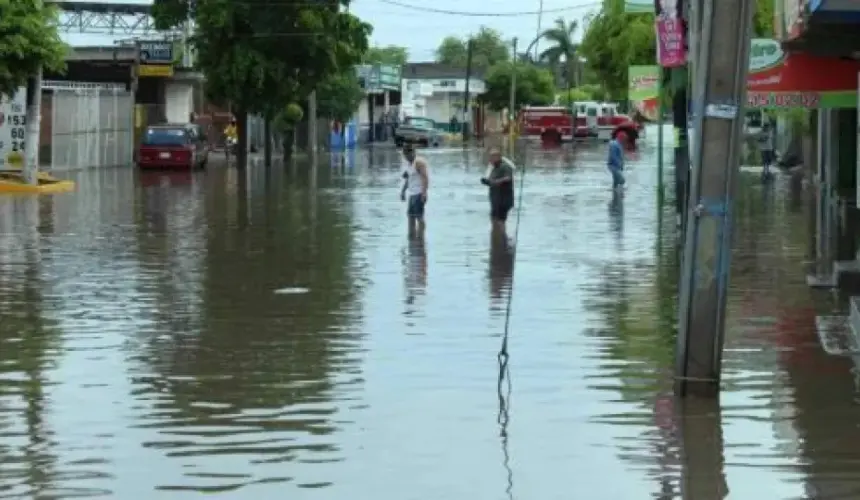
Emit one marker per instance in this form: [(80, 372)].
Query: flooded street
[(276, 335)]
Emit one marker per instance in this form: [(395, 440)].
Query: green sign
[(377, 78), (389, 77), (639, 6), (644, 82)]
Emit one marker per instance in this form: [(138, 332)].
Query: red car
[(173, 146)]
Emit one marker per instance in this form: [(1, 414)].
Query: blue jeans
[(617, 176), (415, 206)]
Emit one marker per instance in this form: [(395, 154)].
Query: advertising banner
[(798, 80), (643, 89), (13, 123)]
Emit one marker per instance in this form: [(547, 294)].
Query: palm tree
[(562, 49)]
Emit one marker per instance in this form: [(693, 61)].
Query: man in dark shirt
[(500, 179)]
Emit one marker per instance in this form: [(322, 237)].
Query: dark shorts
[(767, 157), (415, 206), (499, 211)]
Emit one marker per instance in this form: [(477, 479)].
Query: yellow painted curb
[(12, 182)]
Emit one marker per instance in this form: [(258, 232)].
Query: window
[(591, 112), (165, 137)]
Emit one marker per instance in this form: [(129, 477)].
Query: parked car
[(417, 130), (172, 146)]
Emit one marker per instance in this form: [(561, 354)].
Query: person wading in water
[(615, 160), (500, 179), (414, 190)]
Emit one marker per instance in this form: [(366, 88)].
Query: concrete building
[(437, 91)]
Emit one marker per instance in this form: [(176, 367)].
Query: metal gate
[(91, 125)]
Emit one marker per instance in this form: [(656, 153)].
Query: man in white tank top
[(414, 190)]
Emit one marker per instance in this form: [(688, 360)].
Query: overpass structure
[(104, 18)]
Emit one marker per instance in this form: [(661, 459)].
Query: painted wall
[(178, 101)]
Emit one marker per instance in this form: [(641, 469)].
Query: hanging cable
[(504, 387), (434, 10)]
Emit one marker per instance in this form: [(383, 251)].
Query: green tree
[(488, 49), (613, 41), (589, 92), (534, 86), (763, 19), (339, 95), (258, 55), (390, 54), (28, 41), (563, 51)]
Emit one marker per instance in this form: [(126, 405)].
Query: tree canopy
[(614, 40), (534, 86), (259, 56), (28, 41), (563, 51), (488, 48), (390, 54), (339, 95)]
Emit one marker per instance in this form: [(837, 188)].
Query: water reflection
[(616, 214), (141, 331), (28, 341), (501, 268), (414, 270)]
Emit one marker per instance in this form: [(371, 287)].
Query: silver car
[(416, 130)]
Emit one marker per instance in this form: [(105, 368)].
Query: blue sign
[(156, 52)]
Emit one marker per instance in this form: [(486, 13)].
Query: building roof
[(432, 70)]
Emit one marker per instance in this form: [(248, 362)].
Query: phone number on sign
[(783, 100)]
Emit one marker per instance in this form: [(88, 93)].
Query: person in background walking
[(414, 191), (766, 145), (615, 160), (500, 179), (231, 137)]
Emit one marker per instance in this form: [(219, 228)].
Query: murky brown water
[(145, 353)]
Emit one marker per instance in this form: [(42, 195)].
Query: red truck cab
[(600, 119), (551, 124)]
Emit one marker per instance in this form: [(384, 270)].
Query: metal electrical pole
[(466, 98), (511, 113), (720, 89)]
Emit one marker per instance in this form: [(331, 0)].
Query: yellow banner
[(155, 70)]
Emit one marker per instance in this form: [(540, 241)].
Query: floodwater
[(275, 335)]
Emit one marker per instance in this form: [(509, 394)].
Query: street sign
[(160, 52), (377, 78), (155, 70), (13, 129)]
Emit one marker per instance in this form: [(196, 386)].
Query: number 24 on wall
[(16, 145)]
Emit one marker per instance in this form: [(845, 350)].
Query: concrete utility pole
[(312, 123), (470, 47), (511, 112), (34, 119), (720, 89)]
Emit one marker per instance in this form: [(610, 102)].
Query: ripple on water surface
[(276, 333)]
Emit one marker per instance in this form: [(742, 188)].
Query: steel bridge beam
[(106, 18)]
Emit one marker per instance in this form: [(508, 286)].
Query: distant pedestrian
[(499, 177), (615, 160), (416, 182), (766, 146)]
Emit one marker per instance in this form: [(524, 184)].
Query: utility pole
[(34, 115), (135, 83), (511, 112), (539, 22), (721, 75), (470, 47), (312, 123), (661, 89)]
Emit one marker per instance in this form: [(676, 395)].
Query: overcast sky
[(421, 32)]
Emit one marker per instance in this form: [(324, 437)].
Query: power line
[(421, 8)]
